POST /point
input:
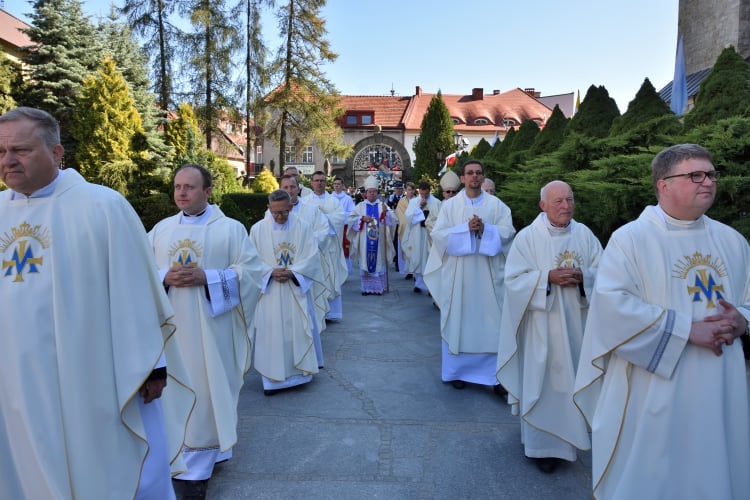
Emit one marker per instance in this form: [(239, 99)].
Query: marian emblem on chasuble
[(569, 259), (701, 272), (22, 250), (285, 254), (185, 252)]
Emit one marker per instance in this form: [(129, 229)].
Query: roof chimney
[(495, 92), (418, 91), (532, 92), (477, 94)]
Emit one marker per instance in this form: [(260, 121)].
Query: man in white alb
[(283, 326), (209, 270), (464, 274), (346, 201), (87, 337), (416, 241), (549, 276), (662, 378), (335, 271)]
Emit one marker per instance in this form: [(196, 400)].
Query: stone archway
[(379, 155)]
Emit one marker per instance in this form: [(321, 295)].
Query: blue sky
[(554, 46)]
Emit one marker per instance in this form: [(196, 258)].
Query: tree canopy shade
[(436, 135), (106, 123), (724, 93), (305, 104), (10, 80)]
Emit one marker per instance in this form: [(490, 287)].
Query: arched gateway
[(377, 155)]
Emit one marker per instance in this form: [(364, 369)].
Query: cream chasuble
[(336, 271), (85, 322), (283, 329), (321, 290), (465, 273), (415, 241), (669, 419), (541, 332), (212, 335)]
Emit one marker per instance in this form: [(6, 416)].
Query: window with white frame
[(290, 155), (307, 155), (259, 154)]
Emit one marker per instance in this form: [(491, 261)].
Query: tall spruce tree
[(150, 20), (257, 77), (208, 50), (65, 49), (595, 116), (106, 122), (724, 93), (646, 106), (132, 63), (305, 105), (435, 136)]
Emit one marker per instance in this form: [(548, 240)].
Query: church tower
[(709, 26)]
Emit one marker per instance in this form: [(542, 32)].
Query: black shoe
[(193, 490), (458, 384), (547, 464), (270, 392), (417, 290), (500, 391), (409, 277)]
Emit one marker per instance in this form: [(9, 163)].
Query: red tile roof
[(388, 111), (514, 104), (9, 30)]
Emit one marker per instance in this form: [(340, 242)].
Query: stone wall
[(709, 26)]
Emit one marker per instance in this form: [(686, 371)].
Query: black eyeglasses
[(698, 177), (448, 191)]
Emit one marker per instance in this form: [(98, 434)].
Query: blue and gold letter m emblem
[(22, 256), (704, 283)]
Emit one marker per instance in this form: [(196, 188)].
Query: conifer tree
[(305, 105), (646, 106), (481, 149), (10, 79), (264, 182), (132, 63), (150, 19), (595, 116), (183, 134), (65, 49), (552, 135), (525, 136), (106, 121), (436, 136), (724, 93), (208, 50)]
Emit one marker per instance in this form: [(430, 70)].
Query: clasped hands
[(565, 276), (718, 329), (476, 225), (183, 276), (281, 275)]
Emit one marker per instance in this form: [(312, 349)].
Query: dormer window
[(455, 121), (481, 121), (509, 122), (354, 118)]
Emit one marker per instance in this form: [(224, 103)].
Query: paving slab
[(377, 422)]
